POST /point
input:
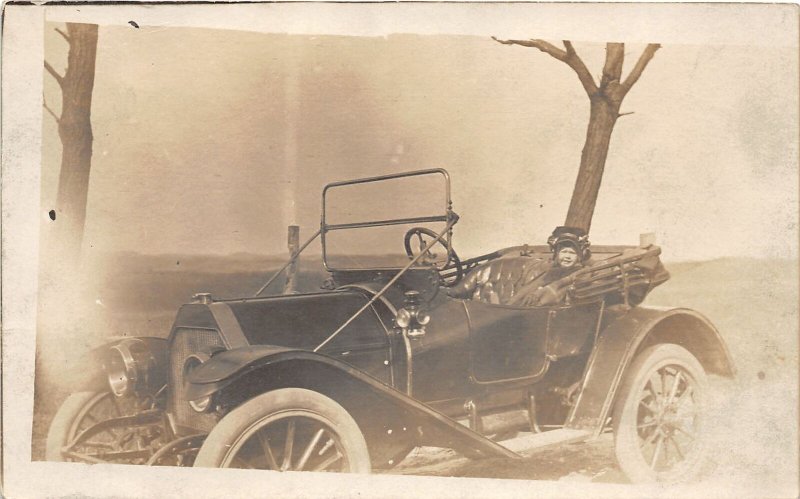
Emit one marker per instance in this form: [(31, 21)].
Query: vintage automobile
[(414, 349)]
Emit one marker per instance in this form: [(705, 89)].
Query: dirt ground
[(754, 305)]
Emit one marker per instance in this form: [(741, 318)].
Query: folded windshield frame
[(445, 216)]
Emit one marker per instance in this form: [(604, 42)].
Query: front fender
[(385, 415), (631, 333)]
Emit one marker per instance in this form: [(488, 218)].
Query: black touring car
[(408, 350)]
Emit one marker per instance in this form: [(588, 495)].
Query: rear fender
[(390, 420), (628, 335)]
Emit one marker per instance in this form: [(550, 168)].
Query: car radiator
[(185, 342)]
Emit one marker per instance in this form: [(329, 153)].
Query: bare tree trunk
[(75, 131), (64, 312), (605, 101), (602, 118)]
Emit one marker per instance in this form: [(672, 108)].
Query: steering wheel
[(421, 238)]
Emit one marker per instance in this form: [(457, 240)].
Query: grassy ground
[(753, 303)]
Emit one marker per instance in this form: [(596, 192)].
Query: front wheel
[(659, 419), (82, 410), (291, 429)]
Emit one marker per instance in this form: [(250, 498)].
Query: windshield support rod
[(381, 223), (394, 279), (291, 260)]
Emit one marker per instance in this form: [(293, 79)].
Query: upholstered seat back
[(498, 281)]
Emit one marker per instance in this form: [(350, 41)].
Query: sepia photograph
[(451, 249)]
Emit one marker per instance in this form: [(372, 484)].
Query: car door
[(506, 343), (513, 343)]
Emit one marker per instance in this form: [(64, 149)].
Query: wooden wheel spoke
[(677, 447), (309, 449), (287, 449), (656, 453), (268, 455), (676, 381), (325, 447), (326, 463), (647, 425), (101, 412), (650, 439)]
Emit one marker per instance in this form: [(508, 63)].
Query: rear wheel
[(287, 430), (659, 418)]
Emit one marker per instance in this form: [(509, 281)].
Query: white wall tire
[(660, 417), (291, 429), (68, 419)]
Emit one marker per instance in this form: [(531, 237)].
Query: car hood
[(304, 321)]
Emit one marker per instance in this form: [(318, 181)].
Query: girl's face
[(567, 257)]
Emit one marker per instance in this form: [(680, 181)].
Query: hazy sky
[(212, 141)]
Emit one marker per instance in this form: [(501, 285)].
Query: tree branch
[(66, 37), (542, 45), (54, 73), (47, 108), (641, 64), (568, 56), (620, 115), (580, 68), (612, 70)]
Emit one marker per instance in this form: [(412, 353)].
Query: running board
[(545, 440)]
